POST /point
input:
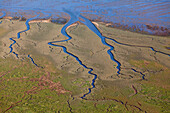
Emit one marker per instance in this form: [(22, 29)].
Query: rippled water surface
[(147, 15)]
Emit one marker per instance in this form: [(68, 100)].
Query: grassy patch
[(21, 77), (144, 64), (28, 88), (156, 96)]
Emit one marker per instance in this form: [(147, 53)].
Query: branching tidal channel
[(92, 27)]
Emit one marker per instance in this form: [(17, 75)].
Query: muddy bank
[(144, 29)]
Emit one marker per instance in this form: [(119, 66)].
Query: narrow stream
[(92, 27), (151, 16), (74, 18), (19, 36)]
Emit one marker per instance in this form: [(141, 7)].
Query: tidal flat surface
[(80, 56), (58, 82)]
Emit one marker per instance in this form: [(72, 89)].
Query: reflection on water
[(137, 15)]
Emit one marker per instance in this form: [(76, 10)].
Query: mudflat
[(43, 78)]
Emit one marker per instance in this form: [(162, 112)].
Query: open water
[(147, 16)]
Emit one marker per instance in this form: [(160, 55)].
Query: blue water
[(18, 36), (143, 75), (92, 27), (137, 13), (88, 23), (139, 46), (3, 14), (73, 19), (127, 12), (32, 60), (80, 62), (11, 51)]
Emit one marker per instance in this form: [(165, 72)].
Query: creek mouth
[(89, 51), (74, 18), (147, 17)]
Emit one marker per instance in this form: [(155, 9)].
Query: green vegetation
[(156, 96), (144, 64), (29, 89), (155, 91), (25, 88)]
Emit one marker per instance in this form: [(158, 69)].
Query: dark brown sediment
[(59, 20), (16, 18), (23, 19)]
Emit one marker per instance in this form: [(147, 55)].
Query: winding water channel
[(74, 17), (151, 16)]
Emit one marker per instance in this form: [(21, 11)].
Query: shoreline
[(156, 30)]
